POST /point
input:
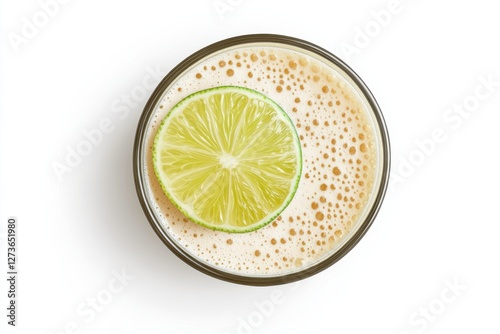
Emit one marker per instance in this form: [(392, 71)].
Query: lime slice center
[(228, 161)]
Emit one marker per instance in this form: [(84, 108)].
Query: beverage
[(344, 172)]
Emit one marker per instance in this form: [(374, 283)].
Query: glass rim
[(138, 163)]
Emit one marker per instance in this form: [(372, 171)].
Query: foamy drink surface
[(340, 153)]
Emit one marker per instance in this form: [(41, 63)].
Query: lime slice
[(229, 158)]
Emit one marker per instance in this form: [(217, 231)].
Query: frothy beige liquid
[(339, 151)]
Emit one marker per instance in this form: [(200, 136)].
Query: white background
[(438, 227)]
